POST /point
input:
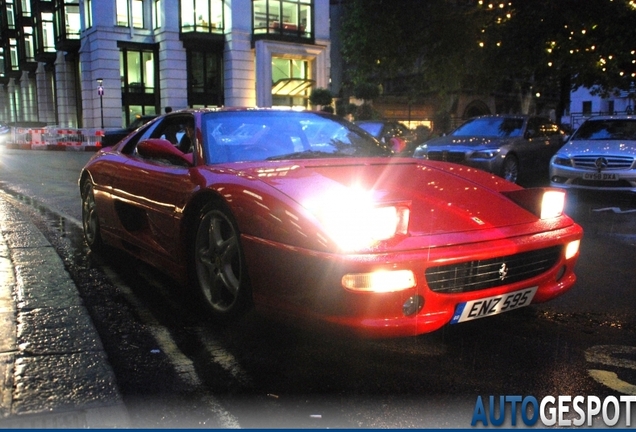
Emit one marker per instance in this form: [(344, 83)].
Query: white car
[(600, 155)]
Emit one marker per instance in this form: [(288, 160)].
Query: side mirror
[(157, 148), (398, 145)]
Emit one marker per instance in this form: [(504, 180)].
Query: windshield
[(275, 135), (491, 127), (612, 129)]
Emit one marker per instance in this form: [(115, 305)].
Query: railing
[(577, 118)]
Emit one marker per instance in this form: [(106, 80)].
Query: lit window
[(203, 16), (285, 18), (136, 10)]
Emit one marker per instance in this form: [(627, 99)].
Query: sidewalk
[(54, 372)]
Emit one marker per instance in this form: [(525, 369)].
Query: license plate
[(600, 176), (492, 305)]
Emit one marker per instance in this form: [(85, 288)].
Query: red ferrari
[(307, 215)]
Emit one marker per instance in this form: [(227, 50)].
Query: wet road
[(177, 369)]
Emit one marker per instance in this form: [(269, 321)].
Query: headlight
[(563, 161), (572, 249), (484, 154), (380, 281), (354, 221), (421, 152), (545, 203), (552, 204)]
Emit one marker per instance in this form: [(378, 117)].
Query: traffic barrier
[(56, 138)]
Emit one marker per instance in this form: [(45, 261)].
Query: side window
[(179, 130), (534, 128)]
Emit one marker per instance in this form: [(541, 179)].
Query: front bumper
[(306, 285), (606, 180)]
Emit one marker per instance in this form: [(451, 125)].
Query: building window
[(156, 14), (137, 7), (10, 15), (205, 78), (587, 107), (26, 8), (88, 13), (130, 13), (283, 17), (69, 21), (13, 52), (138, 70), (291, 84), (29, 48), (48, 33), (203, 16)]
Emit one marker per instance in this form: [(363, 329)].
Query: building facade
[(100, 63)]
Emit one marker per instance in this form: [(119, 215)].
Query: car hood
[(599, 147), (469, 142), (440, 200)]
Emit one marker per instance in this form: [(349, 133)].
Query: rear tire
[(220, 273), (90, 219)]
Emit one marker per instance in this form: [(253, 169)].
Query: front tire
[(510, 170), (90, 219), (219, 264)]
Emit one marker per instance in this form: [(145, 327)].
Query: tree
[(518, 47), (323, 98)]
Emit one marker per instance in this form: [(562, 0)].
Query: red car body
[(463, 224)]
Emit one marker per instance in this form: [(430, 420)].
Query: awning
[(291, 86)]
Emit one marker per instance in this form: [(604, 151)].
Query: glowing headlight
[(572, 249), (380, 281), (354, 221), (552, 204)]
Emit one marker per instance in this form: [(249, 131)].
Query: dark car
[(384, 130), (510, 146), (113, 136), (305, 216)]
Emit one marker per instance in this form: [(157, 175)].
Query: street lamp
[(100, 92)]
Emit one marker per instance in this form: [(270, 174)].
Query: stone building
[(81, 63)]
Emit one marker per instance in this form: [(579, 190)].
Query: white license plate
[(600, 176), (492, 305)]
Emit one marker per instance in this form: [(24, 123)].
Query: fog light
[(380, 281), (413, 305), (572, 249)]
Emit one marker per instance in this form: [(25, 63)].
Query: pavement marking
[(604, 354), (611, 380), (614, 209), (181, 362)]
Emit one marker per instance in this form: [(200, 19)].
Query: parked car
[(510, 146), (304, 215), (600, 155), (384, 130), (113, 136)]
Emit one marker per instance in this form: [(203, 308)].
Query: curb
[(54, 371)]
